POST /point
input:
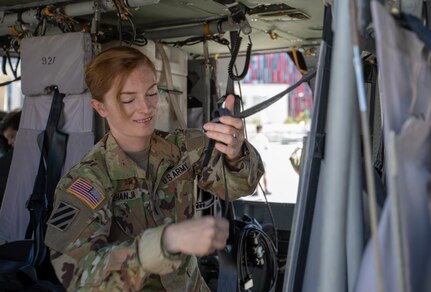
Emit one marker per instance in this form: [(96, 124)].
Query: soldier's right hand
[(199, 236)]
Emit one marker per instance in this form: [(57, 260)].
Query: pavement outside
[(281, 177)]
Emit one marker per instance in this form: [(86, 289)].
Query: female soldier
[(123, 217)]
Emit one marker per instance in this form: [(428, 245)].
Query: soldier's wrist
[(236, 163), (151, 255), (168, 245)]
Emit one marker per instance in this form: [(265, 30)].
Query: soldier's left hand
[(228, 134)]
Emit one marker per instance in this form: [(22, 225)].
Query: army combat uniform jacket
[(107, 207)]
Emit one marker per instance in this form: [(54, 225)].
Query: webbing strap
[(266, 103), (170, 84), (40, 203)]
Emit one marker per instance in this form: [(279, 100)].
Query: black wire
[(269, 248), (195, 40), (139, 40), (10, 64), (4, 64), (269, 256), (242, 261), (17, 64), (270, 215), (235, 50)]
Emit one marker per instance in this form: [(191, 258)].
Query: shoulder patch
[(174, 173), (63, 216), (86, 192)]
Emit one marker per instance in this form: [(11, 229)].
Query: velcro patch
[(124, 196), (86, 192), (63, 216), (174, 173)]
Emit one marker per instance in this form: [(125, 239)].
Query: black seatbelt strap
[(53, 152)]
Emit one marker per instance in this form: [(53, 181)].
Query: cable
[(137, 39), (271, 214), (262, 249), (195, 40), (235, 50), (255, 249), (251, 246)]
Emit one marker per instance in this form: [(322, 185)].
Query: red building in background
[(278, 68)]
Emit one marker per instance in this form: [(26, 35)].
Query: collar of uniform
[(163, 154), (120, 166)]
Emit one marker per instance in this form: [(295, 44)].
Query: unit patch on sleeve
[(86, 192), (63, 216)]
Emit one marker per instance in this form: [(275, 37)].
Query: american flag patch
[(63, 216), (85, 191)]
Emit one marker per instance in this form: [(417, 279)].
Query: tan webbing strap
[(168, 76)]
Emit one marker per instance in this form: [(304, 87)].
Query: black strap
[(227, 280), (210, 148), (54, 154), (248, 112), (266, 103)]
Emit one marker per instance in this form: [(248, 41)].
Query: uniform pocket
[(131, 216)]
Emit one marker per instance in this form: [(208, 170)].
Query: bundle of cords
[(249, 260), (251, 253), (256, 256)]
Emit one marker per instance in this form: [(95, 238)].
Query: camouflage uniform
[(106, 204)]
